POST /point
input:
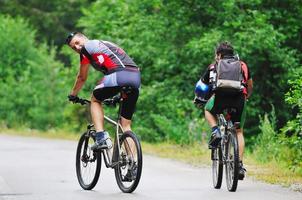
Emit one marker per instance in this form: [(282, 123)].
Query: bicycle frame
[(225, 124), (227, 152), (109, 162)]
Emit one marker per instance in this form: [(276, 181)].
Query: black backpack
[(228, 77)]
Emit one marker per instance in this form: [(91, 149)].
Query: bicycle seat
[(112, 101), (127, 89)]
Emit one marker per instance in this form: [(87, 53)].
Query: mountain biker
[(119, 70), (219, 101)]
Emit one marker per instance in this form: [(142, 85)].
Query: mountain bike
[(226, 153), (124, 155)]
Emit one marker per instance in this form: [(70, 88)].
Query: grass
[(51, 134), (197, 155), (273, 173)]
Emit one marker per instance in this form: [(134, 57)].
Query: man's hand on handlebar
[(199, 102), (74, 99)]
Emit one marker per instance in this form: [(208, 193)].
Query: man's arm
[(249, 83), (80, 80), (206, 77), (249, 87)]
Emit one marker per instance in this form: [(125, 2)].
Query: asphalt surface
[(34, 168)]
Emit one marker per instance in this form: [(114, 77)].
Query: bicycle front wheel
[(217, 167), (232, 162), (88, 163), (129, 169)]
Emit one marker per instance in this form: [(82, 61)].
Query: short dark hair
[(225, 49), (70, 36)]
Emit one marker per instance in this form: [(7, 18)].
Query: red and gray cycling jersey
[(105, 56)]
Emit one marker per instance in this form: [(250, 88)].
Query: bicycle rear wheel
[(232, 162), (129, 169), (88, 163), (217, 167)]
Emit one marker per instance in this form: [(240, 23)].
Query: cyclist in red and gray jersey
[(119, 70)]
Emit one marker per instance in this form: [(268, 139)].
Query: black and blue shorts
[(111, 85)]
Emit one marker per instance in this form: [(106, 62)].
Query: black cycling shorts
[(219, 102)]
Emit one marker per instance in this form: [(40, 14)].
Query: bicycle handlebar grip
[(73, 99)]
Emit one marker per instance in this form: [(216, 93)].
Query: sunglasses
[(69, 37)]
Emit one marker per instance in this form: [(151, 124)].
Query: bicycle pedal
[(241, 176)]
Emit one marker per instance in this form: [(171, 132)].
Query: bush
[(163, 115), (273, 146), (32, 81)]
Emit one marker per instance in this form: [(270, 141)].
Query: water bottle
[(213, 78), (222, 130)]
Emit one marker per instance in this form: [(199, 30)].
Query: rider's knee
[(239, 131), (93, 99)]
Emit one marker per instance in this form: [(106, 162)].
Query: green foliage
[(32, 87), (294, 98), (292, 132), (53, 19), (279, 147), (267, 142), (163, 115)]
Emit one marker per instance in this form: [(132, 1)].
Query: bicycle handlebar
[(109, 102), (81, 101)]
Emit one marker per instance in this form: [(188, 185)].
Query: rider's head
[(76, 41), (224, 49)]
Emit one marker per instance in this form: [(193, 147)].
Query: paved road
[(33, 168)]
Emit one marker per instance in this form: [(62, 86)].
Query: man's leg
[(97, 114), (241, 143), (240, 137), (128, 108), (216, 135), (126, 124), (210, 118), (96, 108)]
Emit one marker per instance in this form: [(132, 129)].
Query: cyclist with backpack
[(230, 85), (119, 70)]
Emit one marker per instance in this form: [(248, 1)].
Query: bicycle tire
[(83, 145), (139, 163), (232, 162), (217, 167)]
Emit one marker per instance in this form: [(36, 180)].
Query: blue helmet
[(201, 89)]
